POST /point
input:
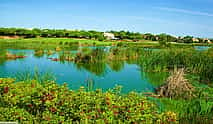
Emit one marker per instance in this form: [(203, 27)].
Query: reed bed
[(199, 63)]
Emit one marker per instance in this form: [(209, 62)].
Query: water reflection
[(2, 56), (100, 67), (39, 53), (97, 68), (116, 65), (156, 79), (5, 55)]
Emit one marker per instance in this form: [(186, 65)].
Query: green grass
[(56, 41), (67, 43)]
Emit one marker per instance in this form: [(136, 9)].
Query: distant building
[(157, 38), (206, 40), (29, 28), (195, 40), (110, 36)]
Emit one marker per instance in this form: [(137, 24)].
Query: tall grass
[(194, 111), (196, 62), (35, 75), (199, 64)]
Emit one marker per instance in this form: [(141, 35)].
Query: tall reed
[(196, 62)]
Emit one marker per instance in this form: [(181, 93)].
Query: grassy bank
[(67, 43), (34, 43)]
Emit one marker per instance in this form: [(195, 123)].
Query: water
[(201, 48), (103, 74)]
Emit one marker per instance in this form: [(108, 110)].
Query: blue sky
[(176, 17)]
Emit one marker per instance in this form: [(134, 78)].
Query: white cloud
[(186, 11)]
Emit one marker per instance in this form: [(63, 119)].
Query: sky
[(175, 17)]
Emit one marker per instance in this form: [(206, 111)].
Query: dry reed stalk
[(176, 86)]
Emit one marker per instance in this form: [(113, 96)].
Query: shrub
[(30, 101)]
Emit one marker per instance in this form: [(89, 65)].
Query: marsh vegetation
[(177, 78)]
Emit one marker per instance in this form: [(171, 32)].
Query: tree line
[(50, 33), (120, 35), (169, 38)]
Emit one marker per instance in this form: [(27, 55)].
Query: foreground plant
[(33, 102)]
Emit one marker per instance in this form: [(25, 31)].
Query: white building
[(109, 36), (195, 40), (206, 40)]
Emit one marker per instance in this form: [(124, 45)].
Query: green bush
[(48, 102)]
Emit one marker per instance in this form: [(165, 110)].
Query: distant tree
[(188, 39), (59, 33), (20, 32), (164, 40), (127, 35), (28, 34), (101, 38), (45, 33), (36, 32), (149, 36)]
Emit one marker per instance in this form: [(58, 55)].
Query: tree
[(188, 39), (149, 36)]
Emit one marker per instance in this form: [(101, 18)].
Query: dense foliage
[(47, 102), (127, 35), (32, 33)]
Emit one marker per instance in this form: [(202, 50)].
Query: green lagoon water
[(104, 74)]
